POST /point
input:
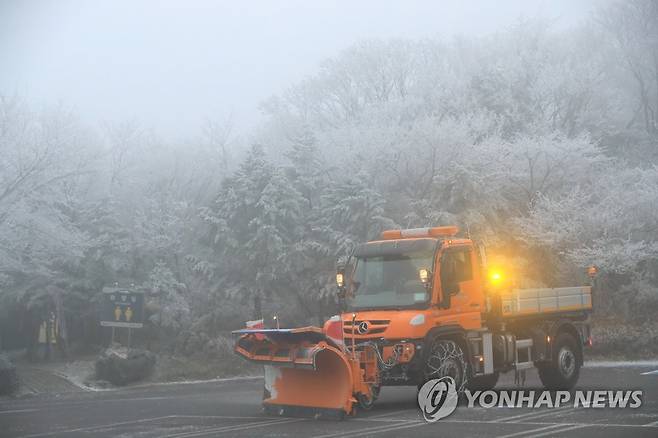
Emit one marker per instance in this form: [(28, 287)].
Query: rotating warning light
[(496, 277)]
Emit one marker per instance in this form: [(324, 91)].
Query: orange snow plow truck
[(420, 304)]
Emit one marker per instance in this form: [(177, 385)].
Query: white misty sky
[(171, 63)]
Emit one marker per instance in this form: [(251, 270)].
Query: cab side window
[(464, 268), (456, 266)]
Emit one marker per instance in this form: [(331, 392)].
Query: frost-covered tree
[(611, 223), (353, 212), (633, 30), (171, 308), (42, 160), (537, 141), (46, 160), (254, 226)]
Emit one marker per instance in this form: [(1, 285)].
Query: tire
[(367, 401), (564, 368), (445, 357), (483, 383)]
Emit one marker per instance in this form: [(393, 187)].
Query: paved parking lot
[(232, 408)]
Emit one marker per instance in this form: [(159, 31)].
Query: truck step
[(523, 357), (524, 365)]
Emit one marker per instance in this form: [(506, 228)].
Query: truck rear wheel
[(563, 370), (446, 358)]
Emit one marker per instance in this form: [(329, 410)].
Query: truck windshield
[(389, 281)]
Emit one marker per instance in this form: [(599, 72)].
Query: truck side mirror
[(340, 281), (424, 275)]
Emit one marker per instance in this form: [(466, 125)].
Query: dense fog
[(539, 140)]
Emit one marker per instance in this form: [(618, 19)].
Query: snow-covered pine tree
[(353, 212), (255, 225)]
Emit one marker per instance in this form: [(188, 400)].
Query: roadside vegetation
[(541, 144)]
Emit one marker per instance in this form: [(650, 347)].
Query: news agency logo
[(554, 399), (438, 398)]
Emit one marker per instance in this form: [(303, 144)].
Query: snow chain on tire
[(438, 363)]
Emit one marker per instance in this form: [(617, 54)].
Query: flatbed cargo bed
[(526, 302)]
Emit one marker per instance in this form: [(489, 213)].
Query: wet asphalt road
[(232, 408)]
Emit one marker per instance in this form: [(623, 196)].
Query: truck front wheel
[(445, 357), (564, 368)]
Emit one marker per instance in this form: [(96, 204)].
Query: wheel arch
[(568, 327), (450, 332)]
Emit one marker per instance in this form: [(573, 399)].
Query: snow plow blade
[(307, 373)]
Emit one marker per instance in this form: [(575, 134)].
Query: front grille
[(369, 321), (375, 327)]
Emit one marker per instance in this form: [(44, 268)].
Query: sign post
[(122, 307)]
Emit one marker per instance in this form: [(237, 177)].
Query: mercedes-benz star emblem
[(363, 327)]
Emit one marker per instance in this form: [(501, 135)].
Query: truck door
[(461, 292)]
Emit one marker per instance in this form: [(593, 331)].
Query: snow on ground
[(80, 373), (186, 382), (621, 363)]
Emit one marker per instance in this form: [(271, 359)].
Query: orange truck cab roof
[(420, 232)]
